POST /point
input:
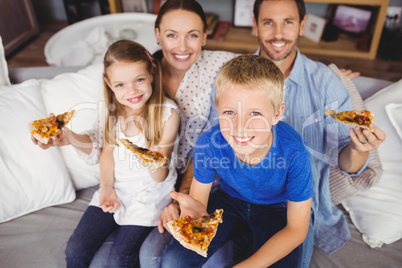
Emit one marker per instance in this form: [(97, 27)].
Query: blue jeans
[(261, 221), (154, 245), (91, 232)]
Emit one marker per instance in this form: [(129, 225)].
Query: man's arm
[(352, 158), (284, 241)]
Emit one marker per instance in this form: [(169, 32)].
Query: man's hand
[(170, 213), (363, 140), (189, 206)]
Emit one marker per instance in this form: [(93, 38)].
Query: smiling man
[(310, 89)]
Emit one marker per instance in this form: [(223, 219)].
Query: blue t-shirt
[(284, 174)]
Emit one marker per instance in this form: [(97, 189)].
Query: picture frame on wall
[(243, 13), (314, 27), (134, 6)]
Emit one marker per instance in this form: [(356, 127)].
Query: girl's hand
[(108, 200), (63, 138)]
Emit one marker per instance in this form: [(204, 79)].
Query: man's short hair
[(255, 72), (301, 7)]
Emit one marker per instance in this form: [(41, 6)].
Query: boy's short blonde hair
[(255, 72)]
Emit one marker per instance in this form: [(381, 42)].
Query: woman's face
[(181, 35)]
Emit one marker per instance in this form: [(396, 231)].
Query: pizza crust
[(43, 140)]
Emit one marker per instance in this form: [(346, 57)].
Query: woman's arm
[(284, 241), (352, 158), (166, 145)]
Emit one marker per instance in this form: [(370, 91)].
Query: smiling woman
[(188, 77)]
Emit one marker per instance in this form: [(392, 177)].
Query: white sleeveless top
[(142, 199)]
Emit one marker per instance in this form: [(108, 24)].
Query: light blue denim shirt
[(310, 89)]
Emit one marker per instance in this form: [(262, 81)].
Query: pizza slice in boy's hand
[(151, 158), (43, 129), (354, 118), (196, 234)]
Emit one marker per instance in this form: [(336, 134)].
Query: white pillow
[(31, 178), (83, 92), (4, 79), (377, 212), (394, 112)]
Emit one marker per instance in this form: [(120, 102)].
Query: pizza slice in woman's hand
[(355, 118), (43, 129)]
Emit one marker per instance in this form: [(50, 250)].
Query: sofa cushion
[(83, 92), (394, 112), (31, 178), (376, 212)]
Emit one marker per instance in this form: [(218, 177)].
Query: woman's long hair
[(150, 122)]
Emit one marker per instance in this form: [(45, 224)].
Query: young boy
[(265, 170)]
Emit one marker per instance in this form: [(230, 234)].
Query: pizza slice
[(151, 158), (354, 118), (43, 129), (196, 235)]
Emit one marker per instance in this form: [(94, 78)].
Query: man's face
[(279, 29)]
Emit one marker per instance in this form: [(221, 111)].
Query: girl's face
[(131, 84), (181, 36)]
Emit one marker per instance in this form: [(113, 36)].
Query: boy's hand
[(108, 200), (189, 206)]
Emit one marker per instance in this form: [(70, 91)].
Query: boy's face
[(246, 116)]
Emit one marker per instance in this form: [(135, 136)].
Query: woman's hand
[(349, 73), (170, 213)]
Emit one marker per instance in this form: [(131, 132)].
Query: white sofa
[(44, 193)]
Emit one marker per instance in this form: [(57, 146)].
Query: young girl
[(131, 196)]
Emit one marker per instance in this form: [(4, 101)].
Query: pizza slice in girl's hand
[(152, 159), (196, 234), (354, 118), (43, 129)]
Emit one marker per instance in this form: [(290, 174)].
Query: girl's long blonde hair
[(151, 122)]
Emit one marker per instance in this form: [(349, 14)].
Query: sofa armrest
[(367, 86)]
